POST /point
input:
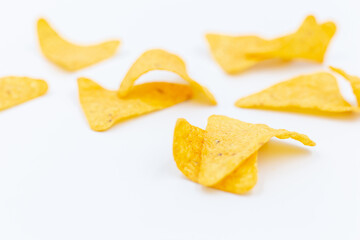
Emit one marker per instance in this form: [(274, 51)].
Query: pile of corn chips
[(224, 155)]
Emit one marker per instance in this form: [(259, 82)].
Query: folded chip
[(17, 90), (319, 92), (157, 59), (104, 108), (224, 155), (354, 81), (238, 53), (69, 56)]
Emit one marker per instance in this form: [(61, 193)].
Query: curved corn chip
[(16, 90), (317, 91), (236, 54), (354, 81), (309, 42), (187, 147), (103, 108), (69, 56), (158, 59), (229, 142), (224, 156)]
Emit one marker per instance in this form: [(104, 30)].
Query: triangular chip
[(229, 142), (224, 156), (158, 59), (354, 81), (69, 56), (103, 108), (236, 54), (318, 91), (16, 90)]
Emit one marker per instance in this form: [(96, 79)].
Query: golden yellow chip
[(224, 156), (354, 81), (16, 90), (229, 142), (309, 42), (158, 59), (69, 56), (103, 108), (236, 54), (319, 92), (187, 148)]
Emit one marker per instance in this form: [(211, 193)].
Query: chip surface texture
[(224, 155)]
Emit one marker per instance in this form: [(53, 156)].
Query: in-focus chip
[(238, 53), (319, 92), (17, 90), (69, 56), (104, 108), (224, 156), (354, 81)]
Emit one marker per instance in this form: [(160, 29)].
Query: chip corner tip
[(41, 21), (180, 121)]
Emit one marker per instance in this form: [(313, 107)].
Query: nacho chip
[(224, 156), (229, 142), (309, 42), (103, 108), (318, 91), (354, 81), (17, 90), (187, 148), (236, 54), (69, 56), (158, 59)]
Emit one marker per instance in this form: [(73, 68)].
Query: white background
[(60, 180)]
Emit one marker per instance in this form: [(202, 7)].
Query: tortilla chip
[(17, 90), (229, 142), (309, 42), (224, 156), (69, 56), (318, 91), (236, 54), (354, 81), (187, 147), (103, 108), (158, 59)]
